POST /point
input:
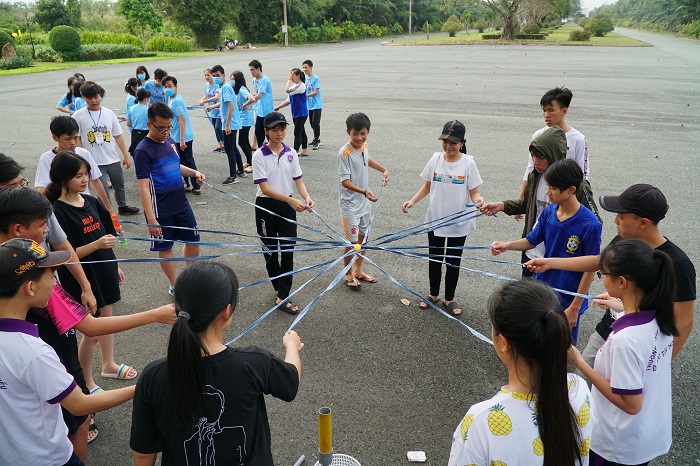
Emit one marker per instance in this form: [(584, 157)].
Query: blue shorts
[(184, 218)]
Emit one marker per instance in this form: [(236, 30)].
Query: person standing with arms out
[(245, 100), (212, 96), (230, 124), (296, 89), (181, 131), (452, 181), (315, 103), (263, 95)]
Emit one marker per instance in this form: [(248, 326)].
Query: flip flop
[(121, 374), (366, 278), (453, 308), (289, 308), (356, 285), (92, 428), (424, 305)]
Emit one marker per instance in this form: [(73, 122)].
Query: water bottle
[(120, 233)]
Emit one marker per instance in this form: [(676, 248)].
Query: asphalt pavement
[(398, 378)]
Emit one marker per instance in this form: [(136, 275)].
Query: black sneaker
[(126, 210), (230, 180)]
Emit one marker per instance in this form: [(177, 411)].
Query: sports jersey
[(211, 90), (265, 104), (352, 165), (179, 107), (247, 118), (97, 132), (130, 102), (279, 171), (138, 116), (228, 100), (157, 92), (160, 163), (314, 102), (297, 100), (43, 168), (64, 103)]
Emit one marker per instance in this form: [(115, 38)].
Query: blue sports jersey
[(574, 237), (138, 116), (228, 99), (314, 103), (179, 107), (210, 90), (160, 163), (265, 104), (298, 104), (157, 92), (64, 103), (246, 115)]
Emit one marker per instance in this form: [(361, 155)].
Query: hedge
[(106, 37), (20, 61), (64, 39), (580, 35), (331, 32), (167, 44), (93, 52), (529, 36), (490, 36)]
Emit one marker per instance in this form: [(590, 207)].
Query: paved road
[(399, 379)]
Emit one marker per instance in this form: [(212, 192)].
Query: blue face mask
[(102, 99), (217, 80), (169, 92), (141, 77)]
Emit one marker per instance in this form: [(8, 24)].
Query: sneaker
[(126, 210), (218, 149), (242, 174), (171, 290), (230, 180)]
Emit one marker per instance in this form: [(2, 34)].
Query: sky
[(590, 4)]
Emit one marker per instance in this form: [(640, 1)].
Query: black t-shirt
[(233, 428), (83, 225), (685, 282)]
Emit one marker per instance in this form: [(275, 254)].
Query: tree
[(207, 18), (260, 21), (508, 11), (73, 8), (466, 19), (537, 11), (51, 13), (600, 25), (452, 25), (141, 16)]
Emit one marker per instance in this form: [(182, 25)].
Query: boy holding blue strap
[(182, 131), (263, 94), (230, 124)]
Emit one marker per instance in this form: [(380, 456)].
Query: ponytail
[(662, 296), (64, 167), (53, 192)]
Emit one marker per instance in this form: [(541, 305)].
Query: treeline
[(661, 15)]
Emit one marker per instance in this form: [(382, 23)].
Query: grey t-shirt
[(352, 165)]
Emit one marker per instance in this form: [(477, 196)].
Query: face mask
[(102, 99), (169, 92), (217, 80), (141, 77)]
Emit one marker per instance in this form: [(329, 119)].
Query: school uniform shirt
[(32, 384), (157, 92), (314, 103), (297, 100), (83, 225), (228, 98), (636, 359), (450, 183), (578, 235), (160, 163), (233, 427), (576, 149), (179, 107), (265, 104), (138, 116), (97, 132), (352, 165), (247, 117), (279, 171), (64, 103), (211, 90), (504, 430), (43, 169)]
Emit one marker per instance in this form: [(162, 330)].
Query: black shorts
[(184, 218)]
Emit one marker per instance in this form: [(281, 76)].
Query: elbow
[(632, 410)]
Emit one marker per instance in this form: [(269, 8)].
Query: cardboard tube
[(325, 431)]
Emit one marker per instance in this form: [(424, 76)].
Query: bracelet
[(365, 193)]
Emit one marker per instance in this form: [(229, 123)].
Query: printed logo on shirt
[(98, 135), (449, 179), (572, 244), (90, 225), (3, 385)]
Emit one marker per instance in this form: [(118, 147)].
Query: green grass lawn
[(556, 37)]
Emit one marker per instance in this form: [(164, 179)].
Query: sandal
[(349, 282), (92, 430), (188, 189), (248, 169), (196, 192), (424, 305), (453, 308), (121, 374), (366, 278), (290, 308)]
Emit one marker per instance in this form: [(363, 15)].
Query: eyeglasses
[(601, 274), (24, 183), (164, 130)]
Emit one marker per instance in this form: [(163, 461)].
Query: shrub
[(600, 25), (691, 29), (498, 24), (330, 32), (529, 36), (580, 35), (37, 38), (531, 28), (396, 29), (106, 37), (64, 39), (313, 33), (452, 25), (297, 35), (582, 21), (93, 52), (5, 37), (490, 36), (44, 53), (480, 26), (148, 54), (20, 61), (167, 44)]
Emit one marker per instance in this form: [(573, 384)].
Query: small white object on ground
[(405, 301), (416, 456)]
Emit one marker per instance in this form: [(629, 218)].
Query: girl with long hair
[(205, 403), (142, 75), (130, 87), (631, 375), (296, 89), (67, 102), (542, 416), (245, 100)]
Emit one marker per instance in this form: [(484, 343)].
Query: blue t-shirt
[(130, 102), (138, 116), (210, 90), (157, 92), (265, 104), (576, 236), (79, 103), (298, 104), (246, 115), (160, 163), (64, 103), (314, 103), (179, 107), (228, 98)]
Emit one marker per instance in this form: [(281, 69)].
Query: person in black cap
[(639, 209), (276, 171), (34, 382)]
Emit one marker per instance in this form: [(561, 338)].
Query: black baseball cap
[(453, 131), (19, 256), (273, 119), (644, 200)]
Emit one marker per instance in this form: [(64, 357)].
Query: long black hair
[(527, 313), (239, 81), (651, 271), (145, 71), (69, 94), (202, 291), (64, 166), (130, 84)]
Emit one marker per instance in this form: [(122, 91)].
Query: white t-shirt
[(636, 359), (576, 149), (541, 201), (43, 168), (352, 165), (33, 382), (503, 430), (97, 132), (449, 192), (279, 171)]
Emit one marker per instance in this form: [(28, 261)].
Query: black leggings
[(244, 142), (300, 133), (437, 253), (279, 256), (315, 120)]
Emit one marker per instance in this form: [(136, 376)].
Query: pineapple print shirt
[(503, 431)]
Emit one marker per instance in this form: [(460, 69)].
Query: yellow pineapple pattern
[(538, 447), (497, 463), (466, 423), (583, 416), (499, 422), (585, 447)]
